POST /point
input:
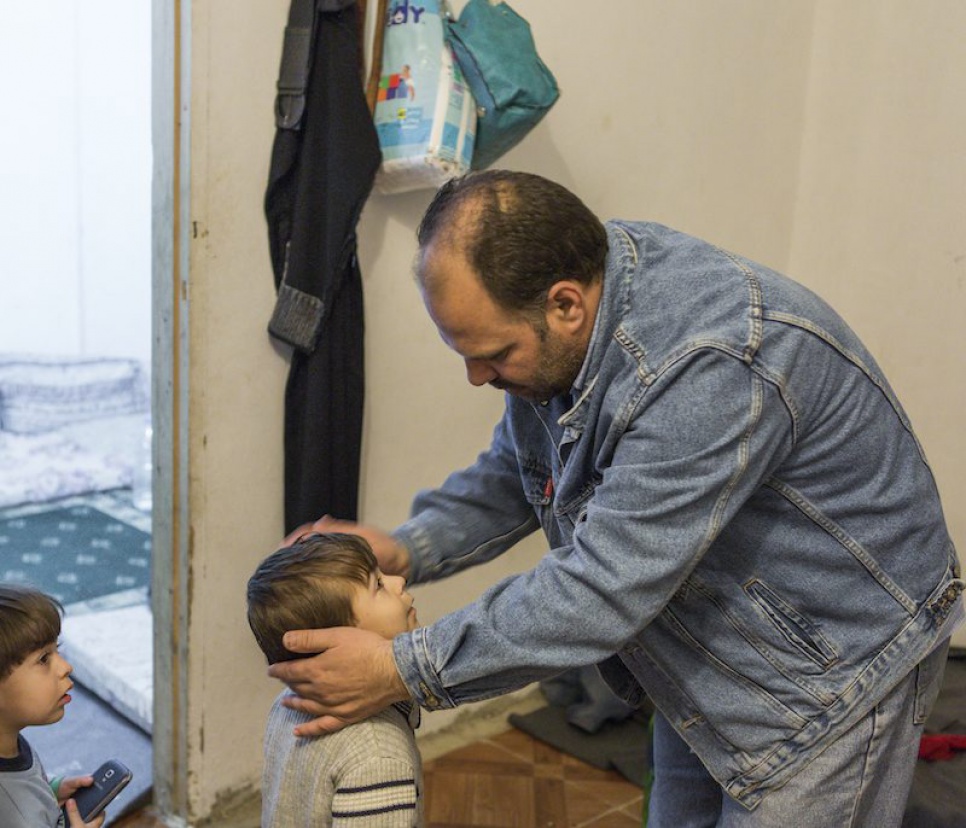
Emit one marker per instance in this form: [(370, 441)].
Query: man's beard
[(558, 363)]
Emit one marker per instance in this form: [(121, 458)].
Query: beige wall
[(880, 217), (690, 113)]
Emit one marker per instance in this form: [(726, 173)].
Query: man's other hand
[(393, 557)]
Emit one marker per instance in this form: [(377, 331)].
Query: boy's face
[(384, 606), (35, 693)]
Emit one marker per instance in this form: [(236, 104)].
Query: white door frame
[(171, 33)]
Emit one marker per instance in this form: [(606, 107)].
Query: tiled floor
[(513, 781)]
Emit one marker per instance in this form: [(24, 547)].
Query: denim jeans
[(861, 780)]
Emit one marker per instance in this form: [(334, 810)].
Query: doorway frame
[(170, 129)]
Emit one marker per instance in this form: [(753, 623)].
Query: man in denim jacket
[(742, 523)]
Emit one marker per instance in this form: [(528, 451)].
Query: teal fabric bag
[(512, 87)]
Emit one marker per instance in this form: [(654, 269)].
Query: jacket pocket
[(537, 479), (794, 627), (538, 488)]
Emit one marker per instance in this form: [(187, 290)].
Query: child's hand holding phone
[(87, 796), (74, 819)]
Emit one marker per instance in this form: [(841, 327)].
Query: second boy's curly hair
[(29, 621), (308, 585)]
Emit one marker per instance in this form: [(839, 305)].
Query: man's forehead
[(441, 264)]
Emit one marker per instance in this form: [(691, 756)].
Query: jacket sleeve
[(477, 514), (679, 472)]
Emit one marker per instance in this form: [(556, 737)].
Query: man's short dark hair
[(519, 232), (308, 585), (29, 621)]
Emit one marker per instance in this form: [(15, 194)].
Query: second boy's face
[(384, 606), (36, 692)]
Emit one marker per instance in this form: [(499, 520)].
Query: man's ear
[(567, 304)]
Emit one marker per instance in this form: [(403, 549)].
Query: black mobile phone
[(109, 780)]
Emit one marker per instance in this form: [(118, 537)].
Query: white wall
[(880, 220), (709, 117), (75, 178)]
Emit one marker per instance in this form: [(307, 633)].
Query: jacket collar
[(619, 271)]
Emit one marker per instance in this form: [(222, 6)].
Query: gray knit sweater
[(368, 774), (26, 800)]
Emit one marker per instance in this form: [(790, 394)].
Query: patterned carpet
[(75, 553)]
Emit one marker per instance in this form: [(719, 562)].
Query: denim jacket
[(742, 523)]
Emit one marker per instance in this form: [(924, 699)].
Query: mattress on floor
[(69, 425)]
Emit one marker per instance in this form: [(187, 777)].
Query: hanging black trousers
[(324, 160)]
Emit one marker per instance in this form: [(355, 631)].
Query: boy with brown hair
[(368, 774), (34, 690)]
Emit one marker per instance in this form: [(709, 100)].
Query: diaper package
[(425, 115)]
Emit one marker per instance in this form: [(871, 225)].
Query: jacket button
[(431, 701)]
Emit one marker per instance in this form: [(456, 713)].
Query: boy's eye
[(48, 653)]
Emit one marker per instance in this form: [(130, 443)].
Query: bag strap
[(293, 72)]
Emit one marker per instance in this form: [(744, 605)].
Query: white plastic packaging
[(425, 115)]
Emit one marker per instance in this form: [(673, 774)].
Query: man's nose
[(479, 373)]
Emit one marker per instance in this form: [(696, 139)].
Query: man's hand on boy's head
[(353, 676), (296, 533), (393, 557)]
